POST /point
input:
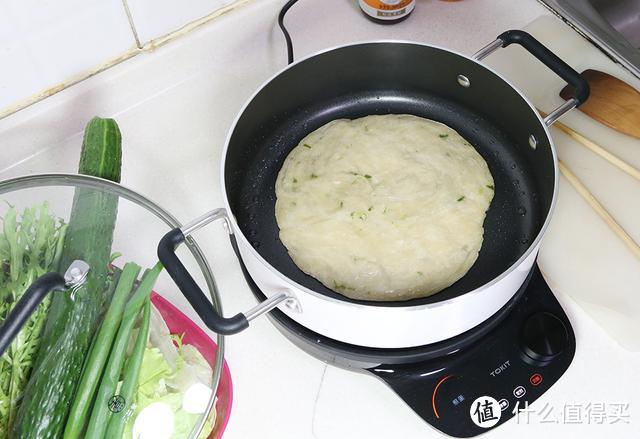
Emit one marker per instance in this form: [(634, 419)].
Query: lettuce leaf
[(165, 374), (154, 373)]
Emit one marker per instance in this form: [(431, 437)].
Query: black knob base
[(544, 337)]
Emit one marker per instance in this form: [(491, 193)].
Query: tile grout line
[(125, 4), (148, 47), (35, 98)]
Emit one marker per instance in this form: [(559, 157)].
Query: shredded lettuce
[(168, 368)]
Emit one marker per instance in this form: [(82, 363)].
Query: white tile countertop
[(174, 107)]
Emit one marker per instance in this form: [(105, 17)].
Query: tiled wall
[(46, 45)]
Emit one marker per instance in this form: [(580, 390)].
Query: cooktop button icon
[(535, 379), (504, 404), (485, 412), (519, 392)]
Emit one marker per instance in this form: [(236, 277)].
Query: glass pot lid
[(179, 369)]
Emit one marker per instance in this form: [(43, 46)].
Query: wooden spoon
[(612, 102)]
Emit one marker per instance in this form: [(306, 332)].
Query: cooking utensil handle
[(191, 290), (549, 59), (74, 277), (27, 305)]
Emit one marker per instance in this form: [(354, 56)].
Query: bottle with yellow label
[(387, 11)]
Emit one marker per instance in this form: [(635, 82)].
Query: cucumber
[(71, 322), (101, 154)]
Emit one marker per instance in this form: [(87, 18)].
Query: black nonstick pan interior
[(301, 100)]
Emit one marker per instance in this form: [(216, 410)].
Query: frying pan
[(387, 77)]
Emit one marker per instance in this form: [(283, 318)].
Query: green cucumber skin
[(71, 323), (101, 151)]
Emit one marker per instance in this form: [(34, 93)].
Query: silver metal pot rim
[(236, 229)]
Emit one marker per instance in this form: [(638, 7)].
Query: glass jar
[(387, 11)]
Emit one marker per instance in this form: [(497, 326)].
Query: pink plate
[(178, 323)]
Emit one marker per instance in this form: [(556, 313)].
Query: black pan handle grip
[(549, 59), (191, 290), (27, 304)]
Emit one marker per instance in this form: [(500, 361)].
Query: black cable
[(287, 37)]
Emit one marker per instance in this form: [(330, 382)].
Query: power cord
[(285, 32)]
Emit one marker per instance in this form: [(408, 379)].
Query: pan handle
[(27, 304), (75, 276), (549, 59), (191, 290)]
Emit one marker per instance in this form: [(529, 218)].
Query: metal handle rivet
[(293, 304), (464, 81), (533, 142)]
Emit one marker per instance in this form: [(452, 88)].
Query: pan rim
[(533, 247)]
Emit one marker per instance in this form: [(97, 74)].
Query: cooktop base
[(481, 387), (473, 382)]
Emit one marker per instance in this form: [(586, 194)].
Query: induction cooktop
[(473, 382)]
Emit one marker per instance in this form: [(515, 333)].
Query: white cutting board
[(580, 255)]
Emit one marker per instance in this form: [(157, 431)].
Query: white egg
[(154, 422), (196, 398)]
